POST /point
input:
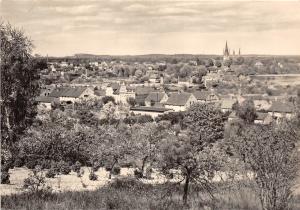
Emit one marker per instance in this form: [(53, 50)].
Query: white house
[(227, 103), (44, 102), (70, 95), (180, 101), (124, 94), (280, 110)]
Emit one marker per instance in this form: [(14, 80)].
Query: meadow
[(124, 191)]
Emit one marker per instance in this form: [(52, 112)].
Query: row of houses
[(156, 102)]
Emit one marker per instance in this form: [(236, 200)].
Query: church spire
[(226, 51), (239, 51)]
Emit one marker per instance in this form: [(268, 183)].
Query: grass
[(129, 193), (132, 194)]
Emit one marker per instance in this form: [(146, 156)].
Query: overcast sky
[(65, 27)]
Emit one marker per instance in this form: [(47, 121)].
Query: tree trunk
[(186, 188), (112, 168), (143, 165)]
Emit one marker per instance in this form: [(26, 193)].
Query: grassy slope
[(132, 194)]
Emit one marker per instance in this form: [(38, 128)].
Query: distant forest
[(151, 58)]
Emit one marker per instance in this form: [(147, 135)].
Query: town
[(160, 87), (150, 105)]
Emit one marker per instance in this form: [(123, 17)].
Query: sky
[(131, 27)]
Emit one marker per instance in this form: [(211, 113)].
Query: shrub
[(50, 173), (36, 183), (80, 173), (5, 177), (129, 184), (108, 168), (19, 162), (30, 164), (93, 176), (138, 174), (116, 170), (55, 167), (76, 167), (64, 167), (96, 165), (45, 164), (126, 165), (107, 99)]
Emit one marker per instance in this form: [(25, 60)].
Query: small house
[(180, 101)]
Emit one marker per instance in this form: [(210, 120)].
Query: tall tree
[(246, 111), (19, 85), (193, 153), (271, 153)]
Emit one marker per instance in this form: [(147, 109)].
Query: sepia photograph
[(150, 104)]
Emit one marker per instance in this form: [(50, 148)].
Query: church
[(226, 53)]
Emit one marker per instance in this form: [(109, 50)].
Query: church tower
[(226, 52)]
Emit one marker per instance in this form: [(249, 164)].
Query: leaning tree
[(19, 86)]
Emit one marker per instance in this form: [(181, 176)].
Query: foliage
[(270, 152), (246, 111), (112, 145), (194, 153), (107, 99), (36, 183), (116, 170), (5, 177), (53, 141), (31, 163), (145, 141), (93, 176), (19, 85), (76, 167), (51, 173), (131, 101), (64, 167)]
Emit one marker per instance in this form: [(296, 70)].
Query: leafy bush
[(19, 162), (50, 173), (96, 165), (116, 170), (138, 174), (107, 99), (80, 172), (93, 176), (76, 167), (45, 164), (64, 167), (30, 164), (108, 168), (5, 177), (36, 183)]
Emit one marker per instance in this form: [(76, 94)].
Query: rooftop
[(155, 96), (282, 107), (178, 99), (149, 109), (67, 92)]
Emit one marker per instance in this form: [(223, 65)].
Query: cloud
[(135, 8), (44, 19)]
